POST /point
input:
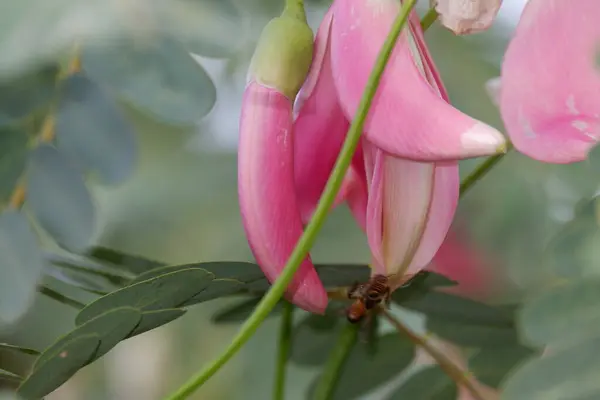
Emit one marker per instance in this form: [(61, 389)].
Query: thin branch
[(53, 294), (483, 169), (429, 18), (456, 373), (335, 364), (285, 344)]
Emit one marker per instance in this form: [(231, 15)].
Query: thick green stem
[(429, 19), (335, 364), (482, 169), (284, 346), (307, 239)]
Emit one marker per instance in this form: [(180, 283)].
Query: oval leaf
[(569, 374), (491, 365), (21, 265), (9, 376), (69, 359), (472, 334), (458, 309), (59, 199), (218, 288), (154, 319), (566, 313), (13, 158), (430, 383), (365, 371), (311, 346), (112, 327), (92, 131), (24, 350), (22, 95), (165, 291), (156, 75), (131, 262), (240, 271), (340, 275), (240, 311)]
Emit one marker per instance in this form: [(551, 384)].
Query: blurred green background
[(180, 206)]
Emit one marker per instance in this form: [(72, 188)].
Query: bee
[(367, 296)]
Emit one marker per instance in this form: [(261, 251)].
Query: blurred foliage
[(103, 204)]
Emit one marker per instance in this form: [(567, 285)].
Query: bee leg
[(366, 329), (388, 298), (352, 290)]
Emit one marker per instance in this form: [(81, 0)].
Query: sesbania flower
[(266, 188), (403, 183), (550, 82)]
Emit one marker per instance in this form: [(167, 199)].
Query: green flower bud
[(284, 52)]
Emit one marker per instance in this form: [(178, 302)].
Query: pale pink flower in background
[(459, 259), (550, 81), (466, 16)]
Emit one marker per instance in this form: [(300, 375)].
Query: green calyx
[(284, 52)]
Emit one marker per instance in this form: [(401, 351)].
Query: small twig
[(53, 294), (456, 373), (429, 18), (285, 344), (483, 169), (335, 364)]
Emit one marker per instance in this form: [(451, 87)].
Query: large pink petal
[(374, 165), (319, 129), (440, 214), (408, 190), (550, 96), (408, 118), (357, 197), (267, 193)]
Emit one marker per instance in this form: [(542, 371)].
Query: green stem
[(307, 239), (53, 294), (335, 364), (456, 373), (482, 169), (285, 344), (429, 19)]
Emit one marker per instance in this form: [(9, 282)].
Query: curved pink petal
[(267, 194), (408, 191), (357, 197), (408, 117), (374, 167), (319, 129), (550, 96), (440, 215)]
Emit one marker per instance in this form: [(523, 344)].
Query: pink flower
[(550, 95), (467, 16), (404, 189), (460, 260), (266, 187)]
